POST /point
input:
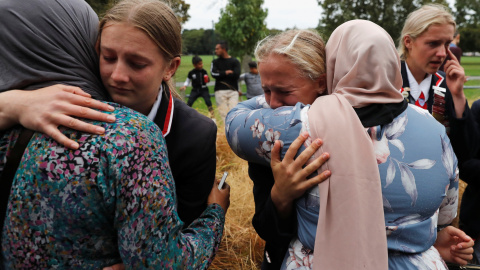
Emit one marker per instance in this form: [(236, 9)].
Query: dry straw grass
[(241, 247)]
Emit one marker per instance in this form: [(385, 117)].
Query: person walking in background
[(454, 49), (252, 80), (226, 70), (199, 78)]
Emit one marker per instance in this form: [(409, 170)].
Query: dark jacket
[(470, 173), (276, 232), (222, 80), (191, 145), (462, 132)]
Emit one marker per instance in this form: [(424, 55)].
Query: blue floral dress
[(111, 201), (418, 170)]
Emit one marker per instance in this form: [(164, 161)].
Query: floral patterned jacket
[(418, 170), (111, 201)]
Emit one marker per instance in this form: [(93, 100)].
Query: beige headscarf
[(351, 226)]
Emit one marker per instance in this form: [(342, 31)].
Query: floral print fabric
[(111, 201), (418, 170)]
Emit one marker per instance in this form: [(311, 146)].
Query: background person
[(199, 78), (423, 46), (252, 80), (457, 51), (226, 70), (100, 205)]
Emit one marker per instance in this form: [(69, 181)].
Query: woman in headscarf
[(113, 200), (139, 46), (418, 180)]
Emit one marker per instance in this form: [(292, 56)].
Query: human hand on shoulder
[(290, 177), (46, 109)]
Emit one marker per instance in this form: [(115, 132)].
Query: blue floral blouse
[(111, 201), (418, 170)]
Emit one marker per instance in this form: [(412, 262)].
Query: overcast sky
[(282, 14)]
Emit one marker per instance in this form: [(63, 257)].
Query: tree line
[(242, 22)]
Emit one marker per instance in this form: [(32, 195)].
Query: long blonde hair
[(420, 20), (156, 19)]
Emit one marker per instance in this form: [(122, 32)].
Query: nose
[(119, 73), (275, 100), (442, 52)]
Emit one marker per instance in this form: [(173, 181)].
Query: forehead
[(439, 31)]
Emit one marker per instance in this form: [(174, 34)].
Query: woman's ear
[(408, 42), (172, 68), (322, 85)]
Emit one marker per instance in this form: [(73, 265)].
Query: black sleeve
[(192, 154), (237, 69), (215, 70), (470, 169), (464, 133), (269, 226)]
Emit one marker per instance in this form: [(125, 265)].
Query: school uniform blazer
[(470, 173), (463, 132), (191, 144)]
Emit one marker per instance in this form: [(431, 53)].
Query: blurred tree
[(467, 17), (179, 6), (389, 14), (199, 41), (242, 25)]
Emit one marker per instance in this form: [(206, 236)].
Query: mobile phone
[(220, 185)]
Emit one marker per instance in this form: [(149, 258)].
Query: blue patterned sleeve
[(448, 208), (150, 233), (252, 128)]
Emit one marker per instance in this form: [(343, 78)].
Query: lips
[(119, 89)]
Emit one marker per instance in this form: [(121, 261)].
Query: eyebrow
[(135, 56)]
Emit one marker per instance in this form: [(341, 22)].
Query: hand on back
[(46, 109)]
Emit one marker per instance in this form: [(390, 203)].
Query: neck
[(417, 73)]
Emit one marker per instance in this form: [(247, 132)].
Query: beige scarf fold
[(363, 68)]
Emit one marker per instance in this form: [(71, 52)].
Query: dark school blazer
[(191, 144)]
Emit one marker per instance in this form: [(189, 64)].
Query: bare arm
[(48, 108)]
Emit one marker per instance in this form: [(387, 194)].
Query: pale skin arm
[(290, 178), (46, 109), (455, 80), (454, 245)]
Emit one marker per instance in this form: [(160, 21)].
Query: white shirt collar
[(154, 110), (415, 88)]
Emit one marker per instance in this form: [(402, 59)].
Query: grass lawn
[(471, 64), (181, 75)]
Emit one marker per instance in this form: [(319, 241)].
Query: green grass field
[(471, 64)]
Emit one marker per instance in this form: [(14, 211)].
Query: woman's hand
[(221, 197), (290, 177), (454, 245), (48, 108), (119, 266), (455, 79)]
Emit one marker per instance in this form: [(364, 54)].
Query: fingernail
[(325, 155), (74, 145), (305, 134), (111, 108), (318, 142), (326, 173), (111, 118), (108, 268), (99, 130)]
